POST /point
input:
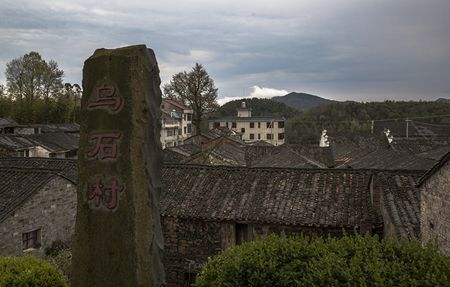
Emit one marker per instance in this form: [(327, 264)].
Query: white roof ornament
[(389, 136), (324, 142)]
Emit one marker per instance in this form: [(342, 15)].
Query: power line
[(299, 121)]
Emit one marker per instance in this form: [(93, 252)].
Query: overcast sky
[(353, 49)]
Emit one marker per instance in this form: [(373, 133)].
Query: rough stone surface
[(51, 209), (121, 246), (435, 208)]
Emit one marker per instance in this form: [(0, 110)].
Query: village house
[(37, 204), (7, 126), (435, 205), (53, 145), (253, 128), (205, 209), (176, 123)]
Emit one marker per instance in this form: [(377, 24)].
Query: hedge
[(347, 261), (29, 271)]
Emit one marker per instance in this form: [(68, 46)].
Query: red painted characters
[(105, 145), (106, 97), (105, 194)]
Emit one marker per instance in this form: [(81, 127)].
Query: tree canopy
[(35, 92), (356, 117), (196, 90)]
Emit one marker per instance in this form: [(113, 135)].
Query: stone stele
[(118, 237)]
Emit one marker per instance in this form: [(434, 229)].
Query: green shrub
[(347, 261), (62, 260), (29, 271)]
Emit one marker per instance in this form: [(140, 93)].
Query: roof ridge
[(307, 170)]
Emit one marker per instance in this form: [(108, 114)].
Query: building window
[(189, 128), (252, 125), (281, 125), (242, 233), (52, 155), (179, 132), (269, 136), (189, 117), (226, 124), (281, 136), (216, 124), (259, 136), (242, 130), (23, 153), (169, 133), (252, 136), (71, 153), (269, 125), (233, 125), (31, 239), (259, 125), (184, 130)]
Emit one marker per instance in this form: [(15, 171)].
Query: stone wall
[(188, 243), (435, 209), (52, 210)]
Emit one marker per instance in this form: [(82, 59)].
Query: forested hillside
[(353, 116), (302, 101), (260, 107)]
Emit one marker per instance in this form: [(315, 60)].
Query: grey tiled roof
[(65, 167), (60, 128), (338, 198), (7, 122), (55, 142), (289, 155), (306, 197), (17, 185), (401, 201), (391, 159), (444, 159), (223, 152), (13, 142)]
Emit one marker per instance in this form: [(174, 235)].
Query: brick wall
[(188, 243), (52, 209), (435, 209)]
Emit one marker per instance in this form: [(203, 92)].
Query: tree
[(196, 90), (30, 77)]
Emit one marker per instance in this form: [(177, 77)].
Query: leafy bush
[(62, 260), (347, 261), (29, 271)]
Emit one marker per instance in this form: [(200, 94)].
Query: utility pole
[(407, 127)]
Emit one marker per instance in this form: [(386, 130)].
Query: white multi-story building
[(176, 123), (253, 128)]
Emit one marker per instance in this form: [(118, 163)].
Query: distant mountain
[(259, 107), (302, 101), (442, 100)]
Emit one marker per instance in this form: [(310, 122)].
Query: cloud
[(341, 49), (266, 93), (258, 92)]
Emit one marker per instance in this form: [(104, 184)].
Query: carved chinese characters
[(106, 98), (105, 145), (118, 236), (104, 194)]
